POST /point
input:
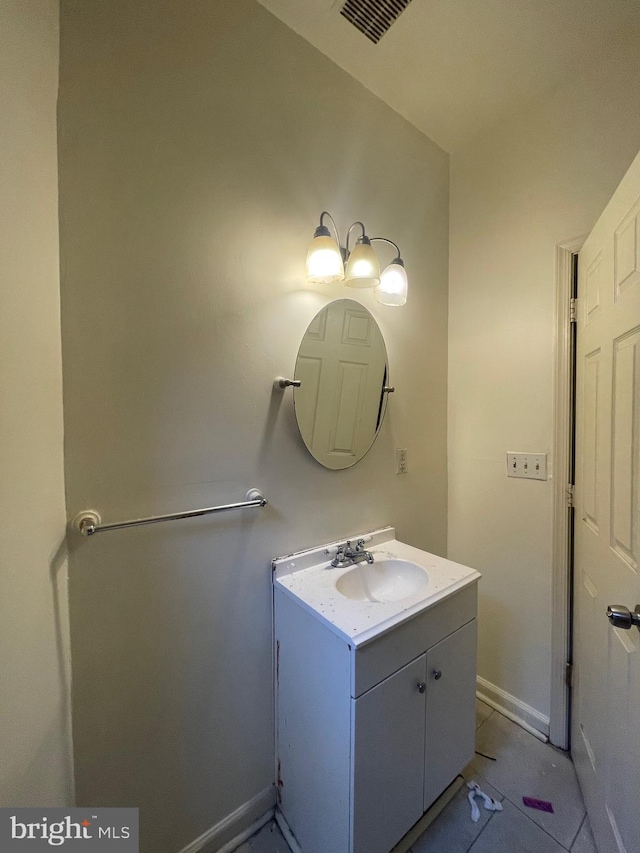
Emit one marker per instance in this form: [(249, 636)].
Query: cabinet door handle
[(437, 674), (421, 687)]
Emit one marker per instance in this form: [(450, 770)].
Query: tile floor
[(524, 766)]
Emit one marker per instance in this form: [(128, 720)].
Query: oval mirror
[(343, 373)]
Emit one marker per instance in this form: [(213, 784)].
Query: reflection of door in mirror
[(342, 366)]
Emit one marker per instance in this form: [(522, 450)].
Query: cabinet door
[(451, 703), (388, 759)]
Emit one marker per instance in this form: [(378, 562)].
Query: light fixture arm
[(344, 250), (333, 222), (390, 242), (364, 234), (324, 230)]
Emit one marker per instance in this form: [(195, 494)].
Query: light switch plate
[(530, 466)]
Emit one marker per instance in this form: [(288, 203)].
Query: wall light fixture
[(326, 261)]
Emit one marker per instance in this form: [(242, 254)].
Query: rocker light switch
[(530, 466)]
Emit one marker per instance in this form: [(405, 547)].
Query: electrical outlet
[(530, 466), (401, 460)]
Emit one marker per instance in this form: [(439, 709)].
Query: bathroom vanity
[(375, 690)]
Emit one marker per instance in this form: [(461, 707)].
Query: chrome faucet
[(347, 556)]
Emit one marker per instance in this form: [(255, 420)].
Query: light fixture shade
[(324, 261), (363, 269), (392, 289)]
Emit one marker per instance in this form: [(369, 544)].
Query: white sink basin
[(362, 602), (381, 581)]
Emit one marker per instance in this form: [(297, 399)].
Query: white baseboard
[(524, 715), (286, 832), (233, 830)]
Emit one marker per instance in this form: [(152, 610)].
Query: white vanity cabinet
[(370, 734)]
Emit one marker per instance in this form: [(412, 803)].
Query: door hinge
[(573, 310), (571, 491), (568, 674)]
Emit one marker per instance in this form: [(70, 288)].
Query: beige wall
[(532, 182), (35, 766), (196, 153)]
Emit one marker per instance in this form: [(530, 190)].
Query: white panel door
[(606, 699)]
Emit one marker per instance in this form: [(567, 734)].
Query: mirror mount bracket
[(280, 383)]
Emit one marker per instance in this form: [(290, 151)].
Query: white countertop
[(308, 578)]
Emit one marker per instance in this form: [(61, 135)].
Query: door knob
[(437, 674), (622, 617), (421, 687)]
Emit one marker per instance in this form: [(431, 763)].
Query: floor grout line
[(578, 832), (485, 720), (491, 816), (546, 832), (487, 782)]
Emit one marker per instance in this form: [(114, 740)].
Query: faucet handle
[(360, 545), (339, 558)]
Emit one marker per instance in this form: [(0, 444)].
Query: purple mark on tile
[(541, 805)]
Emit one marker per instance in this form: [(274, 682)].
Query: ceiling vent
[(373, 17)]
